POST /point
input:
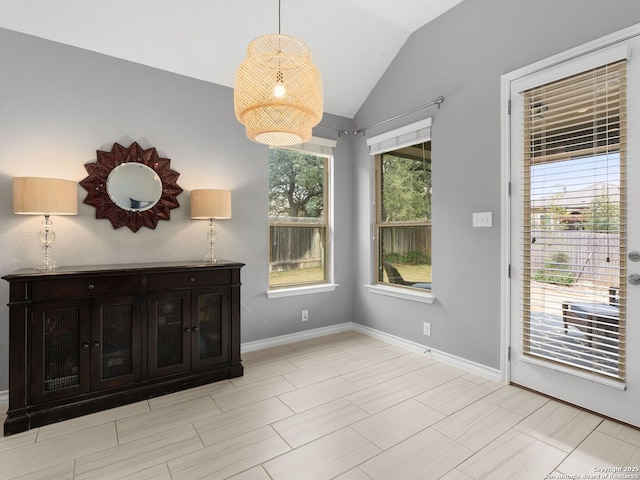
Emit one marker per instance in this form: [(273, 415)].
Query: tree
[(296, 184), (406, 189), (603, 215), (553, 216)]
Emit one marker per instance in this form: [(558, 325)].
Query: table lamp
[(212, 205), (45, 196)]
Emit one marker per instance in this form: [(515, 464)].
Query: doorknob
[(634, 279), (634, 256)]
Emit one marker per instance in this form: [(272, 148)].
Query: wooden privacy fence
[(299, 242), (405, 239), (296, 243), (591, 257)]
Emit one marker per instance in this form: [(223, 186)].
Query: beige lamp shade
[(44, 196), (210, 203), (278, 91)]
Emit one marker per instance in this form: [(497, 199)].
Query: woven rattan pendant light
[(278, 90)]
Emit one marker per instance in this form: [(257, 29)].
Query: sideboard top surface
[(177, 266)]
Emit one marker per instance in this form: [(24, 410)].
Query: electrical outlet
[(426, 329), (305, 315)]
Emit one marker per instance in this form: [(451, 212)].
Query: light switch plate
[(483, 219)]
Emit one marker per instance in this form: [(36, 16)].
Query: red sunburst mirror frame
[(96, 186)]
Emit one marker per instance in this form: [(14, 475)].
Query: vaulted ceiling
[(352, 41)]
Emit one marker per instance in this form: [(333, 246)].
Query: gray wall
[(462, 55), (59, 104)]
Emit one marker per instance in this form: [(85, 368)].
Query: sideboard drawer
[(86, 287), (169, 281)]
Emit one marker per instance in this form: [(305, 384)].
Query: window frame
[(408, 135), (381, 224), (319, 147)]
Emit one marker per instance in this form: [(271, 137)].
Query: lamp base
[(209, 259), (46, 264), (46, 236), (212, 257)]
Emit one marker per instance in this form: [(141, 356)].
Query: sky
[(576, 174)]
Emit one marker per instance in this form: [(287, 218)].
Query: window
[(299, 203), (403, 216), (573, 216)]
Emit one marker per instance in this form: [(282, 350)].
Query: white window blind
[(574, 207), (412, 134), (318, 145)]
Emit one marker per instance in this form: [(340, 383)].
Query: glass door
[(575, 198)]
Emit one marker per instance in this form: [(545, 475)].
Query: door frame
[(505, 155)]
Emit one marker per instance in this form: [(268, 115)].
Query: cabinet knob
[(96, 344), (192, 279), (195, 329), (91, 286), (85, 346), (187, 330)]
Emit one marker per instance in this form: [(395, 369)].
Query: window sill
[(404, 293), (290, 292)]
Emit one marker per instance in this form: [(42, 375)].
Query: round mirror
[(134, 187), (131, 186)]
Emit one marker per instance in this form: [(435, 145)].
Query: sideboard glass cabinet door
[(61, 350), (84, 345), (115, 341), (169, 339), (188, 329), (210, 329)]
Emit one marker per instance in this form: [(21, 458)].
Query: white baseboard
[(294, 337), (4, 396), (463, 364), (454, 361)]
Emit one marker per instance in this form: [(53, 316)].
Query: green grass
[(292, 277), (411, 273)]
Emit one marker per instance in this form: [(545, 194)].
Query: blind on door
[(574, 221)]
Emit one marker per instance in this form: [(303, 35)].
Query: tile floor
[(345, 406)]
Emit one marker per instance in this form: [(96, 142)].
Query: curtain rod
[(438, 101)]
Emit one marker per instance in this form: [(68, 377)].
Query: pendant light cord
[(279, 15)]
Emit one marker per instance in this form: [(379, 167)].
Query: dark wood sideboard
[(84, 339)]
